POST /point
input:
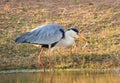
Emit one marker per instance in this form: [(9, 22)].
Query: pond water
[(60, 77)]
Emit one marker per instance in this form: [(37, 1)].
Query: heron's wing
[(46, 34)]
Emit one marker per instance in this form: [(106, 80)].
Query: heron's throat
[(67, 41)]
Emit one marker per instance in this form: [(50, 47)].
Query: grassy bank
[(97, 21)]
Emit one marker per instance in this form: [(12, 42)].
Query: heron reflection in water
[(51, 36)]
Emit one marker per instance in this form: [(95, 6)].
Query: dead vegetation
[(98, 20)]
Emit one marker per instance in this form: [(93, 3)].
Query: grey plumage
[(44, 35)]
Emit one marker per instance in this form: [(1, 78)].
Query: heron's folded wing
[(43, 35)]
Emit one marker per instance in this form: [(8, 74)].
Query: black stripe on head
[(74, 29)]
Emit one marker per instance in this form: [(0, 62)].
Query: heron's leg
[(49, 55), (40, 59)]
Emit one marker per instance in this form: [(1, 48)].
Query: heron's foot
[(42, 65), (43, 69), (51, 67)]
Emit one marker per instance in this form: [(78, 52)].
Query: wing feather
[(46, 34)]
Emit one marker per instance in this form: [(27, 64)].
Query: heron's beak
[(79, 36), (83, 38)]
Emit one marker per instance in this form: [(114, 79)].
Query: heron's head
[(73, 32)]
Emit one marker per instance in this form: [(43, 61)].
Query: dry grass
[(99, 21)]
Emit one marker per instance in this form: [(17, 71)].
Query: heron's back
[(45, 34)]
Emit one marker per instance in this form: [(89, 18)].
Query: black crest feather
[(74, 29)]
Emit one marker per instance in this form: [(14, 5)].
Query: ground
[(97, 20)]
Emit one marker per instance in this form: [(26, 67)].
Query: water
[(79, 76)]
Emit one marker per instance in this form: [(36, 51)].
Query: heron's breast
[(66, 42)]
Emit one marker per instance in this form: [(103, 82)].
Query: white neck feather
[(67, 41)]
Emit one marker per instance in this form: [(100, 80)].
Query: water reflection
[(60, 77), (43, 77)]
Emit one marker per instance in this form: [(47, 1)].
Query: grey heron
[(50, 35)]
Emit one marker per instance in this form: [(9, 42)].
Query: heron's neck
[(67, 35), (67, 41)]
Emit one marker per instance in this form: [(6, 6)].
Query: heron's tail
[(22, 39), (19, 40)]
